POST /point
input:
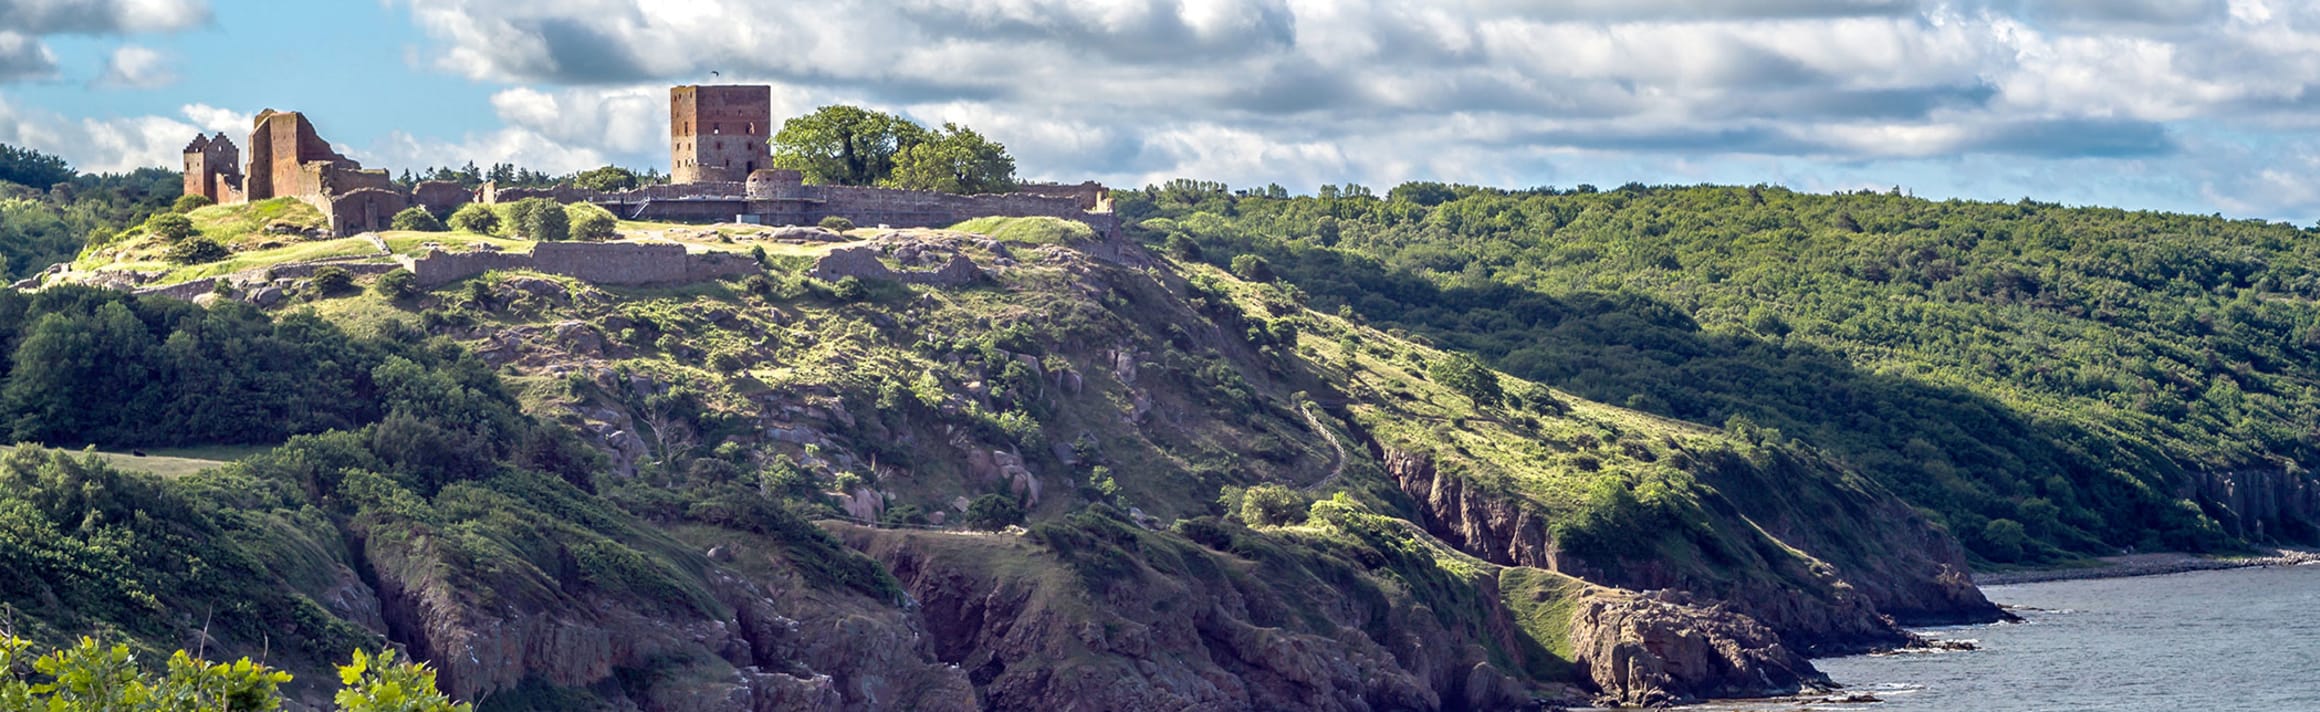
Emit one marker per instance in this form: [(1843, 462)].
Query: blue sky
[(2189, 105)]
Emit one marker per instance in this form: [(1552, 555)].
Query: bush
[(540, 219), (170, 227), (399, 284), (196, 251), (849, 289), (331, 281), (476, 218), (1272, 506), (837, 224), (417, 219), (1252, 268), (1466, 375), (590, 222), (190, 203), (993, 512), (2002, 540)]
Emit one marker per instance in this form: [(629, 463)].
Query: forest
[(2041, 378)]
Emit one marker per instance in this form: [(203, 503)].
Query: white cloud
[(528, 149), (94, 145), (233, 123), (1311, 91), (136, 67), (23, 56)]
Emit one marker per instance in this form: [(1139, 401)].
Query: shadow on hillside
[(1968, 457)]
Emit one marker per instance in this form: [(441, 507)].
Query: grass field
[(173, 462)]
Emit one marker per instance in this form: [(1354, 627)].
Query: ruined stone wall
[(1089, 195), (719, 133), (441, 197), (213, 168), (613, 263), (364, 210)]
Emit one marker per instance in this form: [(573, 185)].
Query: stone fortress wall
[(612, 263)]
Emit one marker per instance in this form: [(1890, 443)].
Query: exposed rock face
[(787, 646), (2260, 505), (1031, 639), (1651, 650), (1814, 605)]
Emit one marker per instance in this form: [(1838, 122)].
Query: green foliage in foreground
[(2065, 370), (94, 677)]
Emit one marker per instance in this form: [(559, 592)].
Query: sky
[(2203, 106)]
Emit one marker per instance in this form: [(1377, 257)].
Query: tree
[(608, 178), (844, 145), (1466, 375), (2002, 540), (992, 512), (539, 219), (417, 219), (476, 218), (956, 160), (190, 203), (33, 168)]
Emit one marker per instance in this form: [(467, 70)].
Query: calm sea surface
[(2246, 639)]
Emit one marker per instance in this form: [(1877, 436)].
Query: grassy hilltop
[(635, 472)]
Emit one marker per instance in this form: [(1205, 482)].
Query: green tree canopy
[(32, 168), (847, 145), (954, 160)]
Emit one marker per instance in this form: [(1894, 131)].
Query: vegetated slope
[(2048, 381), (1232, 502)]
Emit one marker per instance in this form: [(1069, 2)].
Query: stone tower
[(719, 133), (213, 168)]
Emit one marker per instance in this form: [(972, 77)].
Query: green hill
[(2047, 381), (569, 496)]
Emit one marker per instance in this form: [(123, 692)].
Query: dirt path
[(1315, 423)]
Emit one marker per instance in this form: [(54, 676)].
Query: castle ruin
[(720, 164), (288, 159)]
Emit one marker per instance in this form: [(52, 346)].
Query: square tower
[(719, 133)]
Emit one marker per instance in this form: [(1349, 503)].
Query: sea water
[(2242, 639)]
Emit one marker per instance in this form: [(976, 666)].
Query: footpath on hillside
[(2150, 565)]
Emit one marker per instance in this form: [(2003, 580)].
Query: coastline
[(2148, 565)]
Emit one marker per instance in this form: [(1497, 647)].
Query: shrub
[(992, 512), (837, 224), (399, 284), (170, 227), (1252, 268), (1466, 375), (849, 289), (196, 251), (190, 203), (542, 220), (2002, 540), (476, 218), (590, 222), (417, 219), (1272, 505), (1183, 247), (331, 281)]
